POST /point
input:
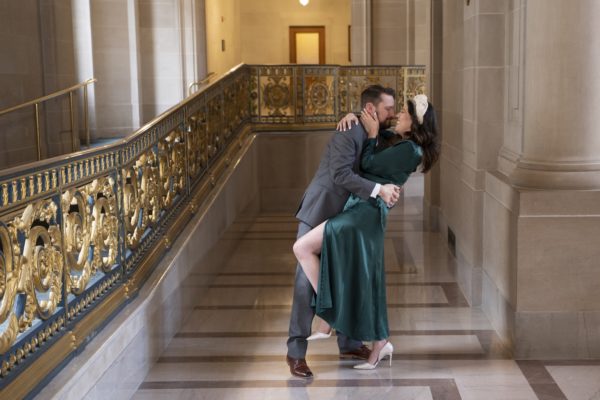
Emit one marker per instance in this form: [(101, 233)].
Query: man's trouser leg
[(303, 314)]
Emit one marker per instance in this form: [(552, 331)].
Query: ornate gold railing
[(78, 235), (36, 113)]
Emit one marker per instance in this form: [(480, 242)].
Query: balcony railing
[(80, 234)]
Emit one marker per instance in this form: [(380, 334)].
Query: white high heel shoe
[(319, 336), (385, 351)]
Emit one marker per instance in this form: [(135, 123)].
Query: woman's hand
[(370, 123), (346, 122)]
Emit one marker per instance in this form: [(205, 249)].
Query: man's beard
[(385, 124)]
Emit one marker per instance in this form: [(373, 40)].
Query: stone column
[(561, 144), (361, 32), (114, 60), (84, 59), (431, 195), (555, 206)]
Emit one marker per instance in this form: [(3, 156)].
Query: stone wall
[(36, 43)]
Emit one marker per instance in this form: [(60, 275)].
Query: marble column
[(561, 145), (114, 59), (361, 32), (400, 32), (555, 202)]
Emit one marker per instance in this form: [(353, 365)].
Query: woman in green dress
[(343, 257)]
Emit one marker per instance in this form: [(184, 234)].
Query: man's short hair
[(372, 94)]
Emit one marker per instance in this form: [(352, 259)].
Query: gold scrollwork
[(91, 231), (141, 197), (151, 185), (31, 269), (172, 166), (197, 143), (414, 85), (276, 96), (132, 208), (319, 96), (253, 88), (230, 114), (214, 129)]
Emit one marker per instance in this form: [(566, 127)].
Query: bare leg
[(307, 250)]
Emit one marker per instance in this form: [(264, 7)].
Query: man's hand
[(390, 193), (346, 122)]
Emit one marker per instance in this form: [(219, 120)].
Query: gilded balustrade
[(78, 235)]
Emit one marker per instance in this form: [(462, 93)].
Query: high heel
[(319, 335), (385, 351)]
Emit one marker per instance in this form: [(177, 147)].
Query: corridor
[(233, 345), (152, 154)]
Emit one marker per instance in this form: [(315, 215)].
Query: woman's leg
[(307, 250)]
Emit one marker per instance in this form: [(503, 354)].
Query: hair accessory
[(421, 106)]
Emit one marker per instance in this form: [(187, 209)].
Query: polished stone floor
[(233, 345)]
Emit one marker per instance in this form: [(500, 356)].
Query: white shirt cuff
[(375, 191)]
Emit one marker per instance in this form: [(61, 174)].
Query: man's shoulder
[(356, 133)]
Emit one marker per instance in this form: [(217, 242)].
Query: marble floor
[(234, 344)]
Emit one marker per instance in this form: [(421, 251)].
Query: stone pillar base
[(557, 335), (541, 276)]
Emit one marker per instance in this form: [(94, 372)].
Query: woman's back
[(393, 164)]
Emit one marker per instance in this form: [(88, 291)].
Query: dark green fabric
[(351, 294)]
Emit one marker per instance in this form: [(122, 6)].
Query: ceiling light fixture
[(304, 2)]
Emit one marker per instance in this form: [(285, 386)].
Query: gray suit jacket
[(336, 178)]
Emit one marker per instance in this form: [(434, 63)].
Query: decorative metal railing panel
[(285, 94), (79, 235)]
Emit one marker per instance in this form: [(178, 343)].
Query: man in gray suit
[(336, 177)]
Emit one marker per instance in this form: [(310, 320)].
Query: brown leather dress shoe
[(298, 367), (361, 353)]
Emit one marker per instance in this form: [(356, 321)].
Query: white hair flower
[(421, 106)]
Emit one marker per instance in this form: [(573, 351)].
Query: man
[(336, 177)]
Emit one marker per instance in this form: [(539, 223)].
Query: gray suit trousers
[(303, 314)]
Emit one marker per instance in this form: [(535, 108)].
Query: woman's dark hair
[(425, 135)]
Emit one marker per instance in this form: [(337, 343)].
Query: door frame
[(320, 30)]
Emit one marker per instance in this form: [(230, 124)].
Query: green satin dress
[(351, 293)]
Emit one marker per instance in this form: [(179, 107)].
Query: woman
[(348, 277)]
